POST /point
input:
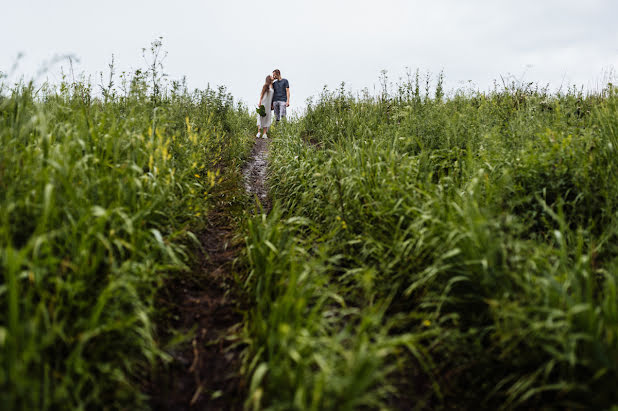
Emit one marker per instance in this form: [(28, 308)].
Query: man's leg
[(277, 107), (282, 110)]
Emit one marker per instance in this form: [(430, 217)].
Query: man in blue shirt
[(281, 96)]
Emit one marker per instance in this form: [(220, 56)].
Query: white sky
[(320, 42)]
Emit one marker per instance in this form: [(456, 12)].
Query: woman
[(266, 99)]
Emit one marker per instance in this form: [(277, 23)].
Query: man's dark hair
[(277, 72)]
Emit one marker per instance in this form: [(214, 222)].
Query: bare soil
[(205, 371)]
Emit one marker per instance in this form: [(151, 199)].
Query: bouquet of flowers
[(261, 110)]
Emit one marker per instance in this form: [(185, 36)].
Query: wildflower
[(197, 175), (211, 177), (426, 323)]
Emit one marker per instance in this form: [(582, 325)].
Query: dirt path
[(204, 373), (255, 172)]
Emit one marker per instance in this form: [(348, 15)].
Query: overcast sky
[(321, 42)]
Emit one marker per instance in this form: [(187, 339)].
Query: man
[(281, 96)]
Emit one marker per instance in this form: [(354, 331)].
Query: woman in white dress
[(266, 99)]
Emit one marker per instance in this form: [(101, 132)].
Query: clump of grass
[(311, 349), (98, 200), (473, 232)]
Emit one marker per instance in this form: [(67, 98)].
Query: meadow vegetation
[(102, 193), (424, 250), (429, 251)]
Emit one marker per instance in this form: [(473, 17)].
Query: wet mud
[(204, 373), (255, 173)]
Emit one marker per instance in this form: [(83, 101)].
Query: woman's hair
[(267, 83)]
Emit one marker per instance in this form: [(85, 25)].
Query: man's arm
[(287, 92)]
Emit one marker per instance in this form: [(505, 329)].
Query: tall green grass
[(99, 200), (430, 251)]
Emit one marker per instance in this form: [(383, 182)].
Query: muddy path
[(204, 373), (255, 171)]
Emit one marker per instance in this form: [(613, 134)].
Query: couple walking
[(275, 96)]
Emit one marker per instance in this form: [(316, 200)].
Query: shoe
[(258, 134), (264, 135)]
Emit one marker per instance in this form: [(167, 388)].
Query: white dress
[(267, 100)]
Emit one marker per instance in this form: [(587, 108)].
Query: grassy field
[(428, 251), (100, 197), (423, 251)]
